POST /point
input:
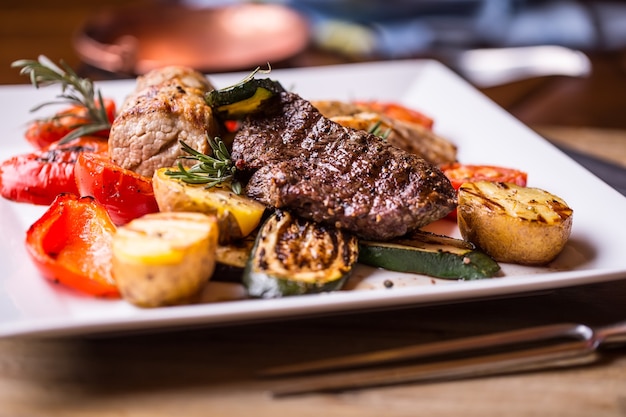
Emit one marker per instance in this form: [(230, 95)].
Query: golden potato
[(164, 258), (514, 224), (237, 215), (235, 254)]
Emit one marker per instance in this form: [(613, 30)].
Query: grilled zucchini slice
[(429, 254), (514, 224), (243, 98), (293, 256)]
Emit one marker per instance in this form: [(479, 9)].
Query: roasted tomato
[(399, 112), (44, 132), (125, 194), (72, 244), (38, 177), (458, 174)]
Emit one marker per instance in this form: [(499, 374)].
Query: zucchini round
[(293, 256)]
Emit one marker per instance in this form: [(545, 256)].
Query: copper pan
[(135, 40)]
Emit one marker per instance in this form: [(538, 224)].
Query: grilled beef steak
[(331, 174)]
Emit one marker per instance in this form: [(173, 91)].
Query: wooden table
[(211, 372)]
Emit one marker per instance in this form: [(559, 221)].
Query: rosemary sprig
[(214, 170), (74, 89), (251, 76), (377, 130)]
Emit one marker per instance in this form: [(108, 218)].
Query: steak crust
[(302, 161)]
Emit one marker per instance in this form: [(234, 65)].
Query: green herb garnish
[(74, 90), (218, 169), (377, 130)]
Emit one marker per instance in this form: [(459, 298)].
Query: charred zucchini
[(245, 97), (429, 254), (292, 256)]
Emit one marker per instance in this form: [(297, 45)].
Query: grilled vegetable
[(458, 174), (237, 215), (164, 258), (292, 256), (125, 194), (512, 223), (70, 244), (429, 254), (245, 97), (232, 258), (237, 253), (90, 113)]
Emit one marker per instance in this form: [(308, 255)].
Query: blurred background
[(557, 65)]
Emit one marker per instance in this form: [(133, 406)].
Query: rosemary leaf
[(74, 90), (376, 130), (212, 171)]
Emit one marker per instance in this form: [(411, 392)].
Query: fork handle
[(613, 334)]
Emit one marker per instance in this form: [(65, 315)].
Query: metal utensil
[(542, 347)]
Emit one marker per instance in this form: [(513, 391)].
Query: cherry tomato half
[(125, 194), (459, 173), (38, 177), (44, 132), (72, 244)]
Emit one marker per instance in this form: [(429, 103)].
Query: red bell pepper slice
[(38, 177), (72, 244), (125, 194)]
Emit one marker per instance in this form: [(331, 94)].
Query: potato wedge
[(237, 215), (235, 254), (164, 258), (514, 224)]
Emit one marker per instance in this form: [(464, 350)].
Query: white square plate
[(484, 133)]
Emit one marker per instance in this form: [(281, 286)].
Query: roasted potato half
[(514, 224), (164, 258), (237, 215)]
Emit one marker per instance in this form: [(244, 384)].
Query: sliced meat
[(411, 137), (167, 107), (336, 175), (186, 76)]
